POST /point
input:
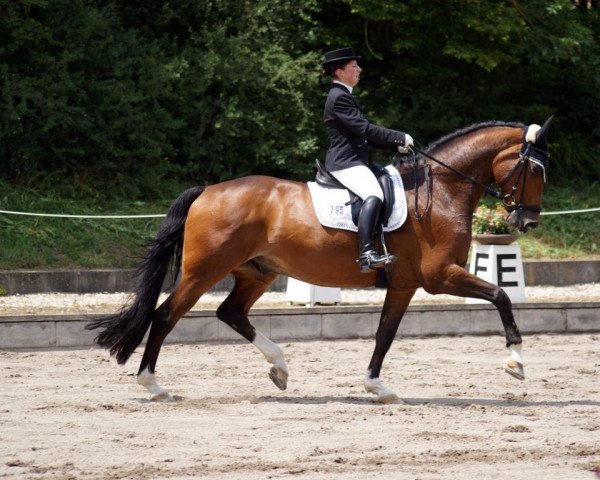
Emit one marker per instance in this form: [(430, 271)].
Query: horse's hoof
[(384, 394), (163, 396), (514, 369), (388, 397), (279, 377)]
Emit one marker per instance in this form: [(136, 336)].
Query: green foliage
[(204, 90), (79, 94), (124, 91)]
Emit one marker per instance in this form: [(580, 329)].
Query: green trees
[(109, 91), (132, 93), (82, 98)]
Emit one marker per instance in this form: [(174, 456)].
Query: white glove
[(408, 142)]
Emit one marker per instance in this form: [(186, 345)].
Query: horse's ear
[(544, 130), (536, 134)]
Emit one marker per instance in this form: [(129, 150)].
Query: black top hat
[(339, 55)]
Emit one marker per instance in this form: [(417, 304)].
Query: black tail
[(123, 332)]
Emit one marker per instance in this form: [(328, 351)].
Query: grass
[(59, 243), (53, 243), (570, 235)]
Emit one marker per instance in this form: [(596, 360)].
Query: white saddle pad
[(332, 211)]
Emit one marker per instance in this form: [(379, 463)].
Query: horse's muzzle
[(523, 220)]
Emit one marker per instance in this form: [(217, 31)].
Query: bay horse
[(258, 227)]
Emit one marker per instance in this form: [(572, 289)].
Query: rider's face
[(349, 73)]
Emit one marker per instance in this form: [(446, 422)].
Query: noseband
[(528, 153)]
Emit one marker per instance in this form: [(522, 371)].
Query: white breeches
[(360, 180)]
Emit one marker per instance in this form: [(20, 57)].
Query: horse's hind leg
[(183, 298), (250, 284)]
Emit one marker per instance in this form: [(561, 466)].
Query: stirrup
[(370, 260)]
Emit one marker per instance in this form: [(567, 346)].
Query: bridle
[(528, 153)]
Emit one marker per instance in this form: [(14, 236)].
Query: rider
[(350, 134)]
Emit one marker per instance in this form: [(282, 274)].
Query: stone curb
[(90, 281), (300, 323), (556, 273)]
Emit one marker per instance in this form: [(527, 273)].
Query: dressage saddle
[(326, 180)]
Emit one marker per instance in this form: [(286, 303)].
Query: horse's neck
[(473, 156)]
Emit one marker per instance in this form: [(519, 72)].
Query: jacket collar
[(347, 87)]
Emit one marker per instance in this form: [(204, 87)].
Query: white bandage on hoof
[(375, 386), (148, 380), (274, 355), (514, 364)]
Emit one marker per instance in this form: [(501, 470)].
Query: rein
[(488, 190)]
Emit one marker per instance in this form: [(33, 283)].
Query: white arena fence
[(160, 215)]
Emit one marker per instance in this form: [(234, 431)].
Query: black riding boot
[(367, 223)]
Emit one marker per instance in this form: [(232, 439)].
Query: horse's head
[(521, 177)]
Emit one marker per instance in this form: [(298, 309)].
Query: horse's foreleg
[(396, 302), (250, 284), (464, 284), (165, 318)]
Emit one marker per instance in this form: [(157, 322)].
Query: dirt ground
[(75, 414)]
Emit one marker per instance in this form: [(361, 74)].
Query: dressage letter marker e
[(500, 265)]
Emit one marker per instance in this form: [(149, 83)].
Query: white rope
[(58, 215), (585, 210)]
